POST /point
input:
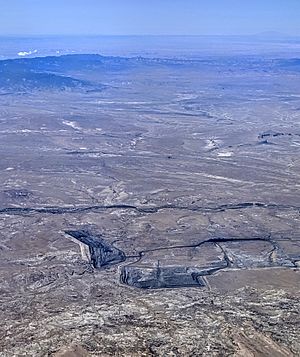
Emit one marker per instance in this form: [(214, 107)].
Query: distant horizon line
[(272, 34)]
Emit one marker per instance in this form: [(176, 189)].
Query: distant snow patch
[(225, 154), (72, 124), (24, 53)]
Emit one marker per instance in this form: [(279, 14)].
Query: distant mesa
[(43, 73), (272, 35), (59, 73)]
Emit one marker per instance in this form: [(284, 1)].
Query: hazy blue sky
[(124, 17)]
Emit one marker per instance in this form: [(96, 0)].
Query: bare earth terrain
[(149, 207)]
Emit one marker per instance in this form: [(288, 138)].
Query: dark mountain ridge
[(67, 72)]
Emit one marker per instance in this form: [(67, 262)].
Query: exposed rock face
[(256, 344), (101, 253), (72, 351)]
